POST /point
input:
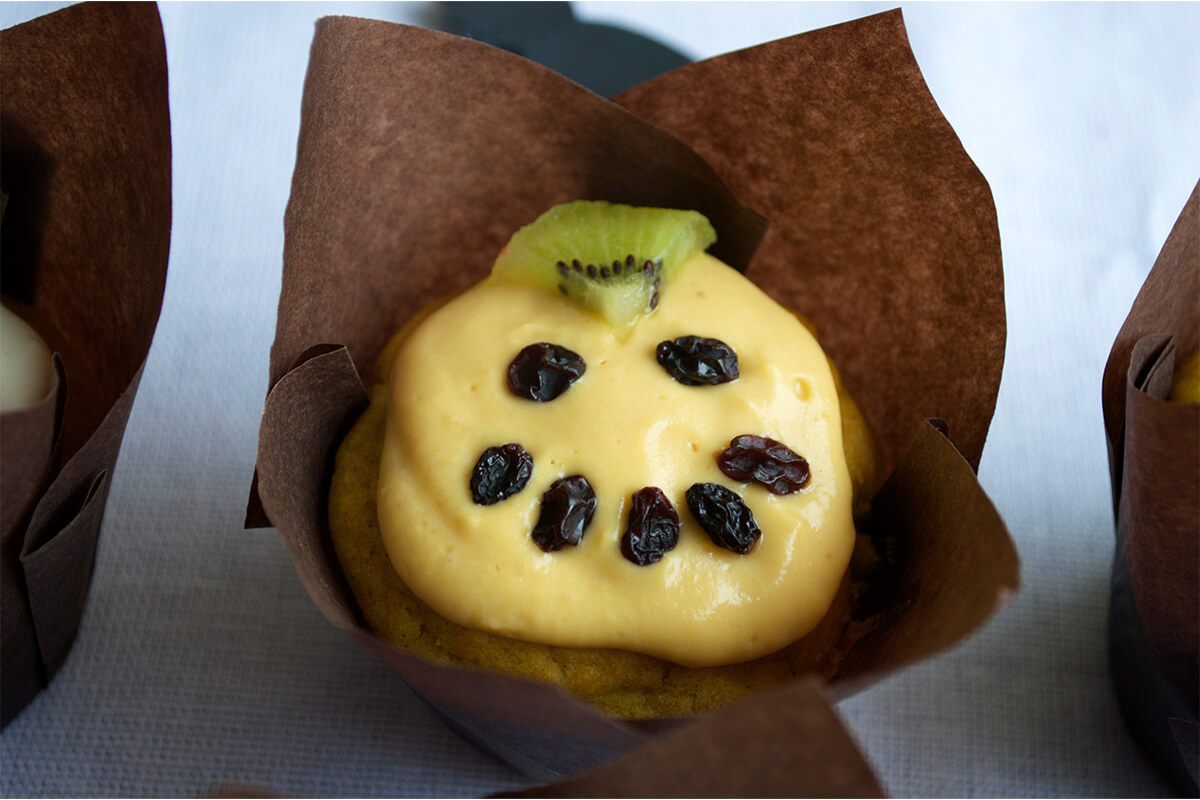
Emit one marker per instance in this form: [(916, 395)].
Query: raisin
[(757, 459), (723, 514), (694, 360), (543, 371), (567, 510), (499, 473), (653, 527)]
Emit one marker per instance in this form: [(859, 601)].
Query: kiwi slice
[(611, 259)]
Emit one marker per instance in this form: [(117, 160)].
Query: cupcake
[(645, 540), (86, 160), (408, 186), (1152, 424)]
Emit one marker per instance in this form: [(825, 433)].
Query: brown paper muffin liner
[(420, 153), (1154, 459), (85, 160)]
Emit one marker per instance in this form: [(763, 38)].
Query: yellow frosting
[(25, 366), (1185, 383), (626, 424)]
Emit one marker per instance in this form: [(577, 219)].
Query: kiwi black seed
[(611, 259)]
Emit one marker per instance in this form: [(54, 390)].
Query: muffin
[(1152, 422), (882, 232), (629, 524), (86, 163)]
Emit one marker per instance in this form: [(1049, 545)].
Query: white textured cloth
[(201, 661)]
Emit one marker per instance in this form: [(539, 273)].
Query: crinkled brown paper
[(85, 159), (1154, 459), (420, 153)]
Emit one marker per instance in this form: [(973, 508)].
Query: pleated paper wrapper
[(85, 161), (833, 181), (1154, 460)]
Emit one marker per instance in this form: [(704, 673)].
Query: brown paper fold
[(34, 431), (29, 456), (86, 164), (420, 153), (737, 752), (1154, 456), (433, 186)]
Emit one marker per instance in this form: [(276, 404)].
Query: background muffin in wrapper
[(419, 155), (85, 159), (1154, 460)]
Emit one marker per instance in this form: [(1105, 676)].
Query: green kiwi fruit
[(612, 259)]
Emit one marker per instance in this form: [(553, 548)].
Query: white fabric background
[(201, 660)]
